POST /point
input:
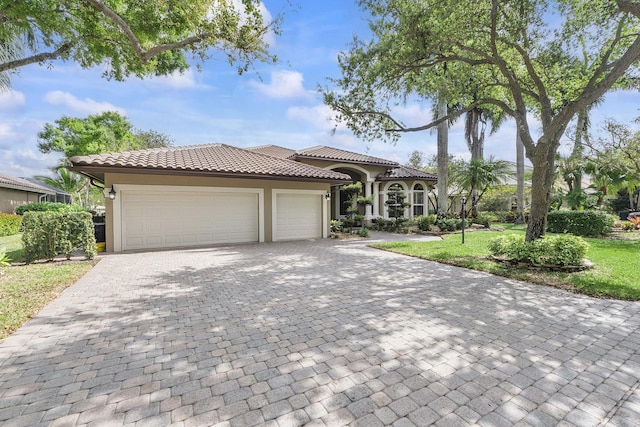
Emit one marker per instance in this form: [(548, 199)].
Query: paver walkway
[(318, 333)]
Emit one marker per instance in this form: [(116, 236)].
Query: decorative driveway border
[(318, 333)]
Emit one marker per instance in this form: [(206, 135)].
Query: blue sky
[(277, 105)]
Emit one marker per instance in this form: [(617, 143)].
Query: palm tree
[(68, 182), (482, 175)]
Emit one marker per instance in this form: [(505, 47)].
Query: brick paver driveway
[(318, 333)]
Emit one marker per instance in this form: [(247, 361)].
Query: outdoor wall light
[(327, 196), (112, 193)]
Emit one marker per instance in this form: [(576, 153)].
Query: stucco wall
[(112, 179), (10, 199)]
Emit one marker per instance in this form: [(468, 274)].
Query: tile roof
[(212, 159), (273, 151), (330, 153), (23, 184), (406, 172)]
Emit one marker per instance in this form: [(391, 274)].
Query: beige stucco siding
[(10, 199), (267, 186)]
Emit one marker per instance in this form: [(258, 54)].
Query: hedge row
[(48, 234), (48, 207), (9, 224), (580, 223)]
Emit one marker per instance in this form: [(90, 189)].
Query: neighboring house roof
[(23, 184), (210, 159), (406, 172), (42, 184), (273, 151), (330, 153)]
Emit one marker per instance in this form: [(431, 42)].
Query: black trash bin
[(100, 232)]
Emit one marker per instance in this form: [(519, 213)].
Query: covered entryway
[(159, 218), (298, 215)]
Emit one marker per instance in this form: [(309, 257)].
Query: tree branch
[(41, 57)]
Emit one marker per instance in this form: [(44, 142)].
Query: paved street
[(318, 333)]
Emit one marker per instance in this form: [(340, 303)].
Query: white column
[(376, 200), (368, 209)]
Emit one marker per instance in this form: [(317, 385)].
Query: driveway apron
[(318, 333)]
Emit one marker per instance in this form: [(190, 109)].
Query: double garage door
[(153, 218)]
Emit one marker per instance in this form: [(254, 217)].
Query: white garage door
[(161, 219), (299, 216)]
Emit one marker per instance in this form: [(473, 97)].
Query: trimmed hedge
[(562, 250), (48, 207), (9, 224), (48, 234), (580, 223)]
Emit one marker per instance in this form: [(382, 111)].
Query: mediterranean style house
[(217, 193)]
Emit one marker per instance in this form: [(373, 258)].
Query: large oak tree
[(524, 57), (151, 37)]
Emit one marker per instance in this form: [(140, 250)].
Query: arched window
[(418, 200), (396, 202)]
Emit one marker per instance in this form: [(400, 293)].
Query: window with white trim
[(418, 200)]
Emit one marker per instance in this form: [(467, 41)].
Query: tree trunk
[(474, 134), (541, 186), (443, 161), (519, 179), (581, 132)]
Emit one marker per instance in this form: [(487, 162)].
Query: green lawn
[(26, 289), (616, 272)]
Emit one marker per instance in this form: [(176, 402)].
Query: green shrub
[(9, 224), (452, 224), (424, 222), (336, 225), (562, 250), (48, 207), (391, 224), (363, 232), (580, 223), (48, 234)]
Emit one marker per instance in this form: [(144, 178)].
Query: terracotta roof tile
[(273, 151), (219, 159), (8, 181), (330, 153), (406, 172)]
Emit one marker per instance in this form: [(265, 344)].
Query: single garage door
[(160, 219), (299, 216)]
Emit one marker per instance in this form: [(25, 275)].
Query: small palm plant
[(4, 259)]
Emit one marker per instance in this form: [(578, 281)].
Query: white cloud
[(284, 84), (177, 80), (320, 117), (12, 100), (83, 106)]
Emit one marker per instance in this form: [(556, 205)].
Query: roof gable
[(406, 172), (329, 153)]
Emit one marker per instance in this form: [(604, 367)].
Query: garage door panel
[(299, 216), (155, 219)]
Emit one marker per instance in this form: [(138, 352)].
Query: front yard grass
[(26, 289), (615, 273)]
